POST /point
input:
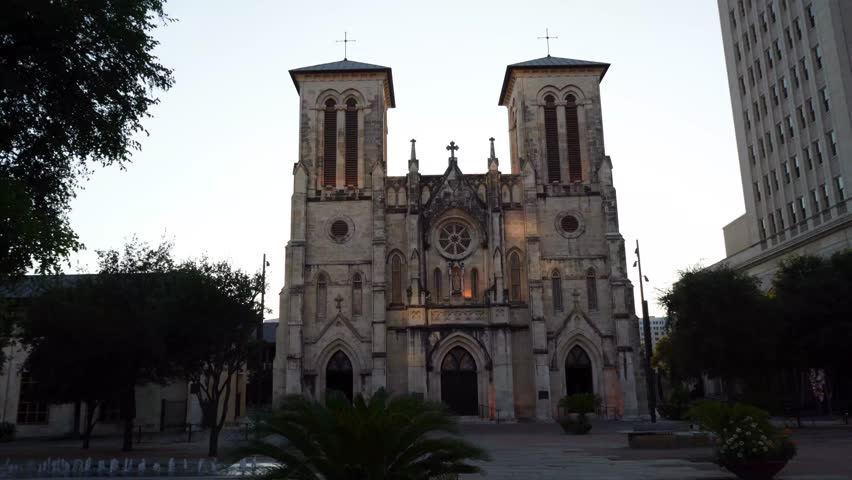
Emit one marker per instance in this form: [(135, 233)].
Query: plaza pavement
[(536, 451), (524, 451)]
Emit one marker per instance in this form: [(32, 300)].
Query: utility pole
[(646, 329), (261, 345)]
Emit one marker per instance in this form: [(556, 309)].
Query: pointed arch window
[(351, 142), (357, 296), (322, 296), (556, 288), (592, 289), (329, 163), (396, 280), (551, 139), (515, 277), (436, 284), (572, 130), (474, 284)]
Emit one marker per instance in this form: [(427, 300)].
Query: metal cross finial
[(338, 299), (452, 147), (547, 37), (345, 43)]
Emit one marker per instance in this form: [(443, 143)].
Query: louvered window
[(436, 285), (592, 289), (552, 139), (329, 164), (515, 277), (351, 142), (396, 280), (474, 284), (572, 128), (556, 288), (356, 294), (322, 296)]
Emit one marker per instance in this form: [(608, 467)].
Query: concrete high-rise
[(789, 68)]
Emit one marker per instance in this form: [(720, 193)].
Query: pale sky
[(215, 174)]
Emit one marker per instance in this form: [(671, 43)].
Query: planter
[(757, 470), (574, 425)]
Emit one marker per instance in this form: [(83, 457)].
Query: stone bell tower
[(337, 235)]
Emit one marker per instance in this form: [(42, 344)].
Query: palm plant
[(383, 438)]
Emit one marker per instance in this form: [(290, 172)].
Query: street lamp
[(257, 375), (646, 329)]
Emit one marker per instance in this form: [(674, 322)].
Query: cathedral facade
[(497, 293)]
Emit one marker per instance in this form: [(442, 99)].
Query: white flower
[(740, 455)]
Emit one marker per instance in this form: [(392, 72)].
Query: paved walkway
[(543, 452)]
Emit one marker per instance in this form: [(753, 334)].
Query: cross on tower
[(338, 299), (452, 147), (547, 37), (345, 43)]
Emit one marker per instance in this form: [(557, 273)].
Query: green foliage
[(676, 404), (714, 416), (580, 403), (213, 334), (78, 79), (119, 325), (7, 431), (714, 314), (383, 438), (814, 295)]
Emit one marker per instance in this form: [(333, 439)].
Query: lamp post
[(260, 347), (646, 329)]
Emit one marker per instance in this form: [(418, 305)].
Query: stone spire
[(493, 162), (413, 164)]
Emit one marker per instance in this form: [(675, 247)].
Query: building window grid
[(826, 104), (774, 90), (767, 185), (30, 410), (779, 132), (791, 211), (769, 62), (795, 75), (771, 9), (826, 200), (786, 172), (798, 27), (797, 166), (818, 57), (751, 154), (832, 142), (778, 53), (806, 152), (791, 130), (817, 152), (815, 201), (769, 144), (811, 110), (839, 187), (775, 180), (780, 218)]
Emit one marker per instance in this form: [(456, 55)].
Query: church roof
[(548, 62), (346, 66)]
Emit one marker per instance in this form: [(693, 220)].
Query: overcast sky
[(215, 173)]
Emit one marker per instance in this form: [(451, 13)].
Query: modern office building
[(789, 68)]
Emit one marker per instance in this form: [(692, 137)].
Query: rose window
[(454, 238)]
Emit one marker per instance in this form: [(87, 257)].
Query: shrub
[(743, 432), (677, 404), (580, 403), (7, 431)]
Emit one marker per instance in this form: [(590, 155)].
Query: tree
[(814, 295), (78, 78), (721, 325), (71, 372), (118, 321), (212, 335), (382, 438)]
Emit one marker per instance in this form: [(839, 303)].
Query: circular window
[(454, 238), (340, 229), (569, 225)]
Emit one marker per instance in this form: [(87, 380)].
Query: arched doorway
[(578, 372), (459, 383), (338, 375)]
